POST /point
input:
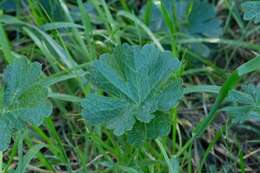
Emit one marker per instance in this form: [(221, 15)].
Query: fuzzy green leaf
[(251, 11), (137, 81), (22, 100)]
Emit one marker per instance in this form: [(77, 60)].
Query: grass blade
[(29, 156), (5, 45), (143, 26)]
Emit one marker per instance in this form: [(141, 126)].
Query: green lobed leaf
[(251, 10), (246, 105), (196, 18), (203, 20), (23, 100), (137, 81), (8, 5)]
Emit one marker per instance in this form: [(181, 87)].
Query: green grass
[(202, 138)]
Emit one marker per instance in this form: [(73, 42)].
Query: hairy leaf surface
[(137, 81), (22, 99)]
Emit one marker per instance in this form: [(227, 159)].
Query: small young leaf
[(246, 104), (251, 10), (23, 100), (134, 78)]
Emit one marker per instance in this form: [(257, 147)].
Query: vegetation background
[(211, 39)]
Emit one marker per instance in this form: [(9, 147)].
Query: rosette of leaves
[(195, 18), (23, 100), (246, 104), (251, 11), (140, 88)]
